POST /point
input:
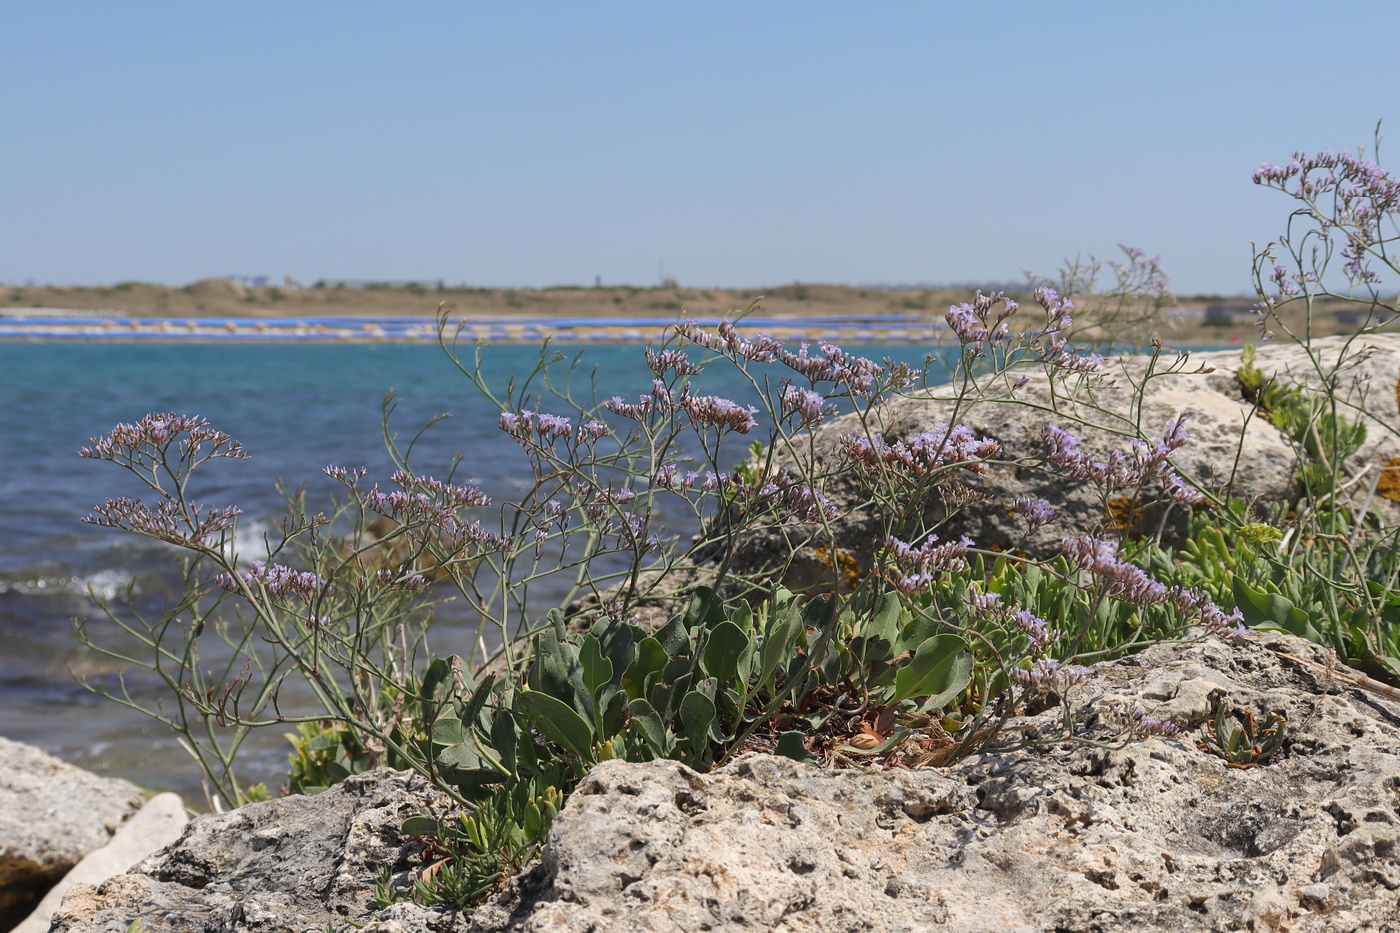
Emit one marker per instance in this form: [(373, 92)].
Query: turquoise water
[(296, 408)]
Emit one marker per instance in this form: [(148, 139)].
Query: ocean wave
[(250, 539), (105, 584)]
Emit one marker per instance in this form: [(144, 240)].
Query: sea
[(296, 407)]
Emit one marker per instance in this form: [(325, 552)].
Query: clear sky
[(741, 144)]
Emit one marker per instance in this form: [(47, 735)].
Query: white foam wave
[(105, 584), (250, 539)]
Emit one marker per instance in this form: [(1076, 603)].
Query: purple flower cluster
[(1057, 309), (1039, 634), (981, 321), (1050, 676), (155, 432), (637, 411), (1121, 470), (277, 581), (923, 455), (791, 497), (166, 522), (704, 411), (835, 365), (1037, 512), (1121, 580), (424, 501), (402, 579), (340, 474), (669, 476), (761, 349), (1362, 194), (1135, 721), (674, 361), (810, 407), (920, 565), (523, 424), (708, 411)]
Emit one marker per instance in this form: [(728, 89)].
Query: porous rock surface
[(1231, 450), (1365, 372), (1154, 836), (282, 866), (52, 814)]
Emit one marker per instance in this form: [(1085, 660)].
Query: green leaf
[(651, 658), (557, 670), (918, 630), (940, 669), (705, 609), (674, 637), (742, 616), (619, 643), (726, 650), (438, 674), (884, 621), (323, 741), (559, 722), (469, 711), (597, 670), (697, 714), (1273, 611), (790, 746), (779, 645), (653, 730), (447, 730), (504, 740), (819, 613), (420, 826)]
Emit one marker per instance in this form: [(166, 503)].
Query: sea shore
[(220, 309), (106, 324)]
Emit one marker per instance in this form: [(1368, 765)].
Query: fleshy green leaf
[(651, 658), (558, 721), (420, 826), (725, 651), (940, 669), (790, 746), (597, 670)]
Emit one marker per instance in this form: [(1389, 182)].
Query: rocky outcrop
[(283, 866), (1155, 835), (52, 814), (1152, 836), (1365, 373), (1231, 450), (155, 826)]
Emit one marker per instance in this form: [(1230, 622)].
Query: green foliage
[(1337, 591), (696, 690), (1324, 436), (1242, 742)]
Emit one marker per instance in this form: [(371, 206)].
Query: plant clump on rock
[(892, 571)]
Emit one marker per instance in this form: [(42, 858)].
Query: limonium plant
[(909, 644)]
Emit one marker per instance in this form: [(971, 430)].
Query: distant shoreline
[(406, 312), (57, 324)]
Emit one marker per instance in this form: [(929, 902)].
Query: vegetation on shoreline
[(924, 660)]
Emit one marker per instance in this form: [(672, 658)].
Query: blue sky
[(740, 144)]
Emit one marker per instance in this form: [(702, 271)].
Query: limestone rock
[(156, 825), (1156, 835), (1153, 836), (1366, 374), (283, 866), (1230, 450), (51, 815)]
